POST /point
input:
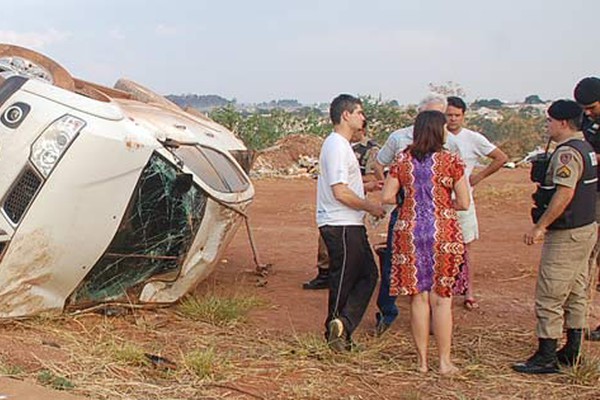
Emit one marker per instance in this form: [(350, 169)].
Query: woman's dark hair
[(428, 134)]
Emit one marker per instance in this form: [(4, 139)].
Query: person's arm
[(378, 170), (386, 155), (462, 199), (390, 190), (346, 196), (559, 202), (499, 158)]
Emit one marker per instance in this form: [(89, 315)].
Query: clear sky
[(311, 50)]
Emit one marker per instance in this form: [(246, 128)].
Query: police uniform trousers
[(563, 278)]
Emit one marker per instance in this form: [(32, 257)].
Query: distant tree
[(533, 99), (200, 102), (516, 132), (384, 117), (493, 103), (447, 89)]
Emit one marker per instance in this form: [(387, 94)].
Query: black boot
[(593, 336), (321, 281), (542, 362), (569, 354)]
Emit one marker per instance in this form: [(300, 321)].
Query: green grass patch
[(201, 362), (218, 310), (130, 354), (50, 379), (7, 369)]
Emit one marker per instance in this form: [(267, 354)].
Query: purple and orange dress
[(427, 245)]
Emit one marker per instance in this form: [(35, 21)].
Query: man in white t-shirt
[(341, 206), (472, 146)]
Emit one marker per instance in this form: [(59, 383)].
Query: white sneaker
[(335, 336)]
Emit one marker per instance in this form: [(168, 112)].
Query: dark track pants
[(352, 273)]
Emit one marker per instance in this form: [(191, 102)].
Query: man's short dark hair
[(344, 102), (587, 91), (457, 102), (567, 110)]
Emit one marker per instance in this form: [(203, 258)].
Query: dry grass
[(106, 359)]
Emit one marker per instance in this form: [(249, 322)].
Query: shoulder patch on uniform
[(565, 158), (563, 172)]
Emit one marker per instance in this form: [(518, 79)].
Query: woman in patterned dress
[(427, 247)]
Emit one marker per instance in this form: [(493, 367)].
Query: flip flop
[(470, 304)]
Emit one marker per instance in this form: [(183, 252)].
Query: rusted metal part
[(13, 55)]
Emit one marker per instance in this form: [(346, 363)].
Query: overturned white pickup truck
[(107, 194)]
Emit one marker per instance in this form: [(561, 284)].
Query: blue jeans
[(385, 302)]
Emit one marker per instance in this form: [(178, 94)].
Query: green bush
[(518, 131)]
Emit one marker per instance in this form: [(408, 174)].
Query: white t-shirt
[(338, 164), (471, 147)]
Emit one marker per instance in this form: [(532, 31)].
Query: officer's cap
[(564, 110), (587, 91)]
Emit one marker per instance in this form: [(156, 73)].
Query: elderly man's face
[(592, 110)]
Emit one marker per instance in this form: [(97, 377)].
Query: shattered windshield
[(153, 237)]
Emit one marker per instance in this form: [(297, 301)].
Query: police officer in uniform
[(564, 218), (587, 94)]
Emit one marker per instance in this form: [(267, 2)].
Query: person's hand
[(376, 210), (535, 235), (373, 186)]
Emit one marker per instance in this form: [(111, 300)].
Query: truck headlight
[(53, 142)]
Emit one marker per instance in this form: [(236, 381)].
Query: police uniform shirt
[(366, 153), (591, 132), (566, 166)]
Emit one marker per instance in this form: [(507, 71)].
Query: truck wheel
[(143, 94)]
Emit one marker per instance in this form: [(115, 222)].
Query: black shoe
[(593, 336), (569, 354), (381, 326), (321, 281), (542, 362)]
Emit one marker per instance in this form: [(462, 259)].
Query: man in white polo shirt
[(471, 147), (341, 206)]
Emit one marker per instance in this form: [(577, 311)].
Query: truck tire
[(143, 94)]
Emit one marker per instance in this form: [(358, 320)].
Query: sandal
[(470, 304)]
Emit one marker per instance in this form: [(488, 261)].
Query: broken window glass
[(214, 168), (153, 238)]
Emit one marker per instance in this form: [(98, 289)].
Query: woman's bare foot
[(448, 369), (422, 364)]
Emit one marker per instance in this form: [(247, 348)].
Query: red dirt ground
[(282, 219)]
